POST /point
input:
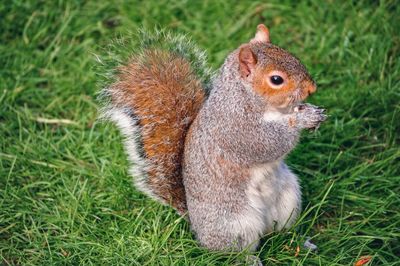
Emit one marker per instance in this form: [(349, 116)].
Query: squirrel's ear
[(262, 34), (247, 61)]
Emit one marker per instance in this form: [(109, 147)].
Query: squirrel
[(212, 146)]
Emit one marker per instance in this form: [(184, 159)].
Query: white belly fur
[(274, 202), (274, 195)]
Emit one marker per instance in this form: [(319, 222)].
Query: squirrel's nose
[(310, 88)]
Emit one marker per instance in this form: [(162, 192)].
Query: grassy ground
[(66, 197)]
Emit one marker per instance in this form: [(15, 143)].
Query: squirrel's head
[(275, 74)]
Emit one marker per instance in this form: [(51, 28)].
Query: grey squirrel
[(213, 149)]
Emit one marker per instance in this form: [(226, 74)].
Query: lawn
[(66, 196)]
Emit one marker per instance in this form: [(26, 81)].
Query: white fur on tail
[(128, 126)]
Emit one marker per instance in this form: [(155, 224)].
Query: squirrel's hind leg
[(227, 233)]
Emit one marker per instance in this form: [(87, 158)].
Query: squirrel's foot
[(309, 116)]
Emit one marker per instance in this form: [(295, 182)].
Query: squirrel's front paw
[(309, 116)]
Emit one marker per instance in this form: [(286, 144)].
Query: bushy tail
[(153, 99)]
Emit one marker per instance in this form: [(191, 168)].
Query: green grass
[(66, 197)]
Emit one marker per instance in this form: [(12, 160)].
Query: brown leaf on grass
[(297, 251), (363, 260), (64, 253)]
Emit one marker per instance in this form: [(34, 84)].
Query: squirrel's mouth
[(298, 96), (289, 103), (295, 98)]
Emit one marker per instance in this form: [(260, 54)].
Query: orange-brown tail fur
[(154, 100)]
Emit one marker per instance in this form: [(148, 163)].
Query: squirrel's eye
[(276, 80)]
